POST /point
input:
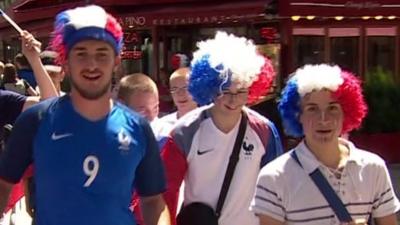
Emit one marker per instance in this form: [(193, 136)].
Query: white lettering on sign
[(132, 21), (194, 20), (362, 5)]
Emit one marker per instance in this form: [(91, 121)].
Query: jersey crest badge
[(124, 140), (248, 148)]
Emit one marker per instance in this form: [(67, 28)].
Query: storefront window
[(344, 52), (137, 53), (308, 50), (9, 51), (381, 53), (344, 47)]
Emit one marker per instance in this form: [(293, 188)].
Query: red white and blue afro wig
[(345, 88), (225, 59), (85, 23)]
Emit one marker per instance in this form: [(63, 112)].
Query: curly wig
[(345, 88), (225, 59)]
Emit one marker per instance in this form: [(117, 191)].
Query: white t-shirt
[(285, 191)]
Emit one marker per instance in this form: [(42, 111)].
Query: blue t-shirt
[(11, 105), (27, 74), (85, 171)]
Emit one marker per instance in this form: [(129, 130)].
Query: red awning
[(353, 8), (28, 5), (195, 14), (42, 12), (140, 2), (39, 28)]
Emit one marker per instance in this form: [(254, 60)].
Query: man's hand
[(154, 210), (30, 46), (31, 50)]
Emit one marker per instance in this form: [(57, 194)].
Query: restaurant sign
[(141, 21), (132, 54), (362, 5)]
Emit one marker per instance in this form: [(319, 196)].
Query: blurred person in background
[(53, 69), (139, 92), (178, 87), (11, 82), (24, 69)]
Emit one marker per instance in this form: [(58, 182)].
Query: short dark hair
[(22, 61), (10, 73)]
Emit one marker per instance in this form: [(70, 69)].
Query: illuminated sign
[(140, 21), (132, 54), (132, 38), (362, 5), (132, 21)]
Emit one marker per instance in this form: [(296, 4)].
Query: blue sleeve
[(274, 146), (150, 175), (11, 105), (18, 152)]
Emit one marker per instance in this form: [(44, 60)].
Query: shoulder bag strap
[(330, 195), (234, 158)]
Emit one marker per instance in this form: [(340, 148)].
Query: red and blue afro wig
[(85, 23), (225, 59), (345, 88)]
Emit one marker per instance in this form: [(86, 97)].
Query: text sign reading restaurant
[(141, 21)]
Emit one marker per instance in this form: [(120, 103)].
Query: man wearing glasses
[(178, 83)]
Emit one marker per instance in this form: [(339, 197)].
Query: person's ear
[(65, 69), (117, 63), (62, 75)]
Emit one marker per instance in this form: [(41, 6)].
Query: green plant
[(382, 94)]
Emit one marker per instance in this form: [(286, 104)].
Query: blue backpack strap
[(294, 156), (329, 194)]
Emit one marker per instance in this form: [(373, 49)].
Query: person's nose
[(181, 91), (232, 98), (91, 63), (148, 113), (324, 117)]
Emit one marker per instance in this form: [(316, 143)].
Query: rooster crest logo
[(124, 140), (248, 148)]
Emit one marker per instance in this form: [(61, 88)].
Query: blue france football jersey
[(85, 171)]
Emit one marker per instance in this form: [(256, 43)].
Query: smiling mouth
[(92, 78), (324, 131), (231, 108)]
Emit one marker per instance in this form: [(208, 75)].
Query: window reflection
[(308, 50), (344, 52), (381, 53)]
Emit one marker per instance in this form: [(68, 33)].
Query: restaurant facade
[(360, 36), (156, 30)]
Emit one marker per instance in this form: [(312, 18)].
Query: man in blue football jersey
[(88, 152)]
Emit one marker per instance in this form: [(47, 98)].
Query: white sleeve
[(267, 199), (385, 201)]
